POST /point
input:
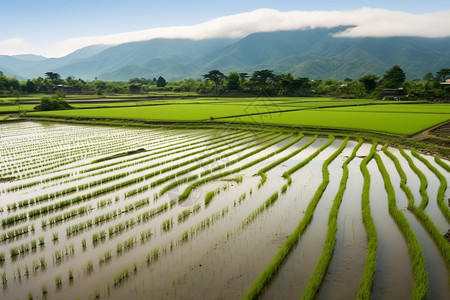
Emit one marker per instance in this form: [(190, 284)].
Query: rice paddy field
[(109, 212), (391, 117)]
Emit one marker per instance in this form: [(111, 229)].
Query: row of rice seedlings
[(183, 149), (152, 255), (14, 233), (99, 235), (105, 257), (136, 205), (322, 265), (188, 189), (442, 185), (420, 214), (23, 248), (366, 281), (256, 151), (82, 198), (270, 271), (209, 220), (153, 212), (263, 171), (146, 234), (259, 209), (109, 147), (58, 255), (166, 150), (440, 162), (45, 180), (209, 195), (204, 163), (183, 215), (95, 221), (33, 183), (167, 224), (422, 177), (126, 244), (103, 203), (121, 276), (14, 219), (420, 276), (67, 215)]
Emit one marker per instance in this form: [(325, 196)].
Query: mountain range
[(314, 53)]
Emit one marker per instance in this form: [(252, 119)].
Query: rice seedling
[(44, 289), (70, 273), (58, 280), (14, 251), (442, 185), (30, 296), (324, 260), (83, 243), (42, 262), (3, 276), (420, 276), (121, 276), (2, 256), (55, 236), (89, 266), (41, 241), (269, 272), (167, 224), (366, 281)]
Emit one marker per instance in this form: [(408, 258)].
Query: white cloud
[(15, 46), (366, 21)]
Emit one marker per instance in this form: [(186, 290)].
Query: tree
[(262, 76), (429, 77), (55, 102), (30, 86), (216, 76), (442, 74), (233, 81), (369, 82), (161, 82), (394, 78), (53, 77)]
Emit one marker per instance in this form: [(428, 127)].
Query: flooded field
[(110, 213)]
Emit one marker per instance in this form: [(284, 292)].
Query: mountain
[(313, 53), (29, 57)]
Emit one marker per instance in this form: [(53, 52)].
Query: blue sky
[(36, 25)]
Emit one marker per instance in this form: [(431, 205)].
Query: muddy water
[(220, 261), (347, 265), (393, 272), (295, 272), (435, 264), (432, 209)]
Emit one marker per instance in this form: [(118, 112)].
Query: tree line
[(261, 81)]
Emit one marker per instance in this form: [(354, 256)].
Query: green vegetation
[(422, 177), (358, 114), (366, 281), (442, 163), (270, 271), (53, 103), (442, 185), (420, 276), (330, 241), (121, 276), (434, 232)]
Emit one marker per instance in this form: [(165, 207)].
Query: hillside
[(313, 53)]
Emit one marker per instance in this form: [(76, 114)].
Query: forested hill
[(314, 53)]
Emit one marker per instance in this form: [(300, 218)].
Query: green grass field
[(355, 114)]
